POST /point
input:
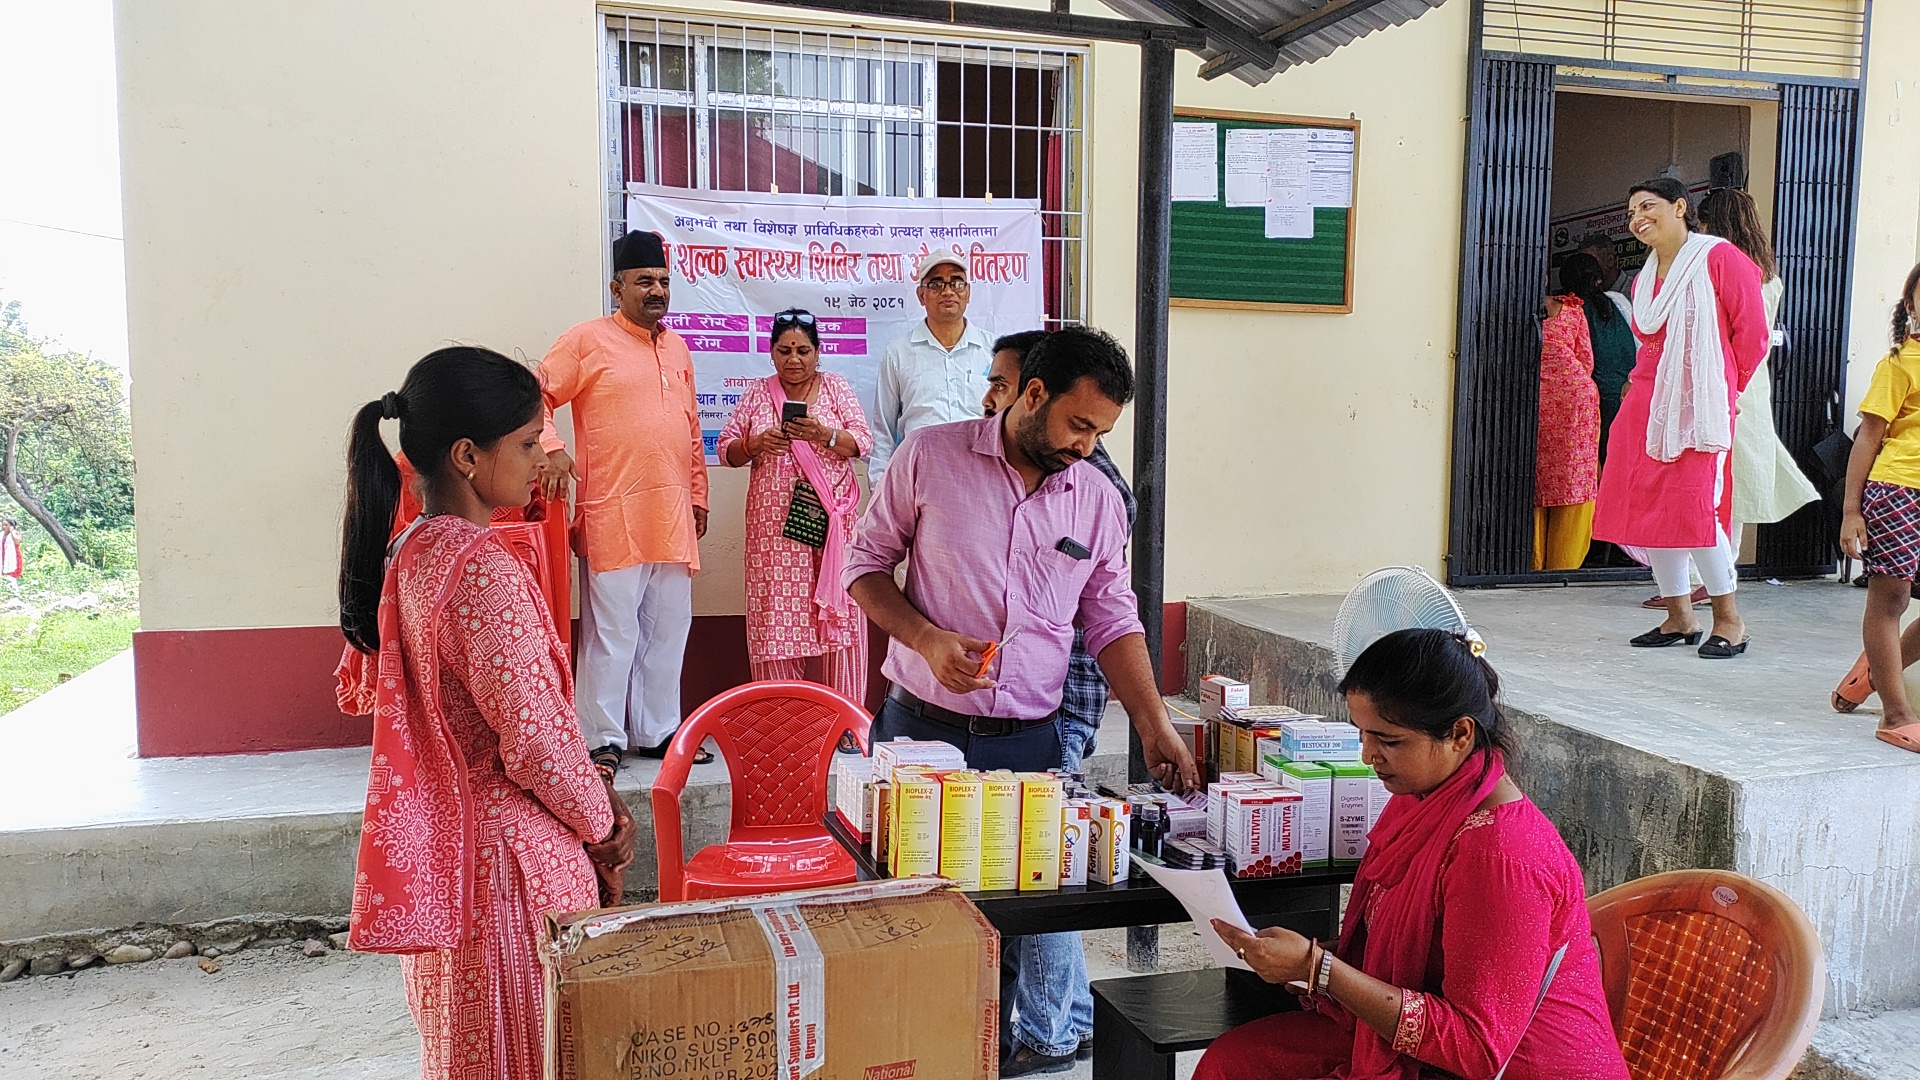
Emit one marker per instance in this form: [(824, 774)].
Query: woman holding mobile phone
[(799, 432)]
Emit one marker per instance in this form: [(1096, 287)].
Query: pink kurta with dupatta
[(1670, 504), (479, 801)]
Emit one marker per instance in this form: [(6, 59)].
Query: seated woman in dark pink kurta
[(1464, 900)]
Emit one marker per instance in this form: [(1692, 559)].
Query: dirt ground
[(273, 1014)]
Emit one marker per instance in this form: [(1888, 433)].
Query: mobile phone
[(791, 411)]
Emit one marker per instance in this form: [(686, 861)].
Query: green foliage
[(109, 567), (38, 654), (75, 436)]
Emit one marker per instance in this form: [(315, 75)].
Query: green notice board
[(1222, 256)]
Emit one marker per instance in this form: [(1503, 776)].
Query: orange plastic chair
[(1709, 975), (778, 739)]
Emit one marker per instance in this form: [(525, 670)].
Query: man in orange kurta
[(642, 507)]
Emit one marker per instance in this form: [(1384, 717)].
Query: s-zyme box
[(777, 986), (1354, 808), (1263, 832)]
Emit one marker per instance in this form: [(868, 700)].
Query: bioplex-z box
[(881, 981)]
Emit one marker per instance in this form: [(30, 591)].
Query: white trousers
[(633, 640)]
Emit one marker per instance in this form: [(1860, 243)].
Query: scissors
[(993, 650)]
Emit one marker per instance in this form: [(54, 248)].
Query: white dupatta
[(1692, 407)]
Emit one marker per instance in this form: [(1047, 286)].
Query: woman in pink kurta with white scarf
[(483, 814), (1667, 484), (797, 610)]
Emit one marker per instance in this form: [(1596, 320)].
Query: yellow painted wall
[(1887, 238)]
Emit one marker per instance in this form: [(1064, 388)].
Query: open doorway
[(1606, 141)]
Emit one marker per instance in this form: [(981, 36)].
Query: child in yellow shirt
[(1882, 518)]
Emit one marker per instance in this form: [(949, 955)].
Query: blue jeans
[(1043, 977)]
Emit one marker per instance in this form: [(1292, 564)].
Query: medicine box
[(1354, 787), (960, 820), (999, 831), (1076, 828), (1218, 692), (1039, 831), (1314, 782), (1263, 832), (916, 823), (1319, 741), (1109, 858)]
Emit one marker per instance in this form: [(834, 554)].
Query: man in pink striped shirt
[(1012, 533)]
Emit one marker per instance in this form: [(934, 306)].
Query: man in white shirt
[(937, 374)]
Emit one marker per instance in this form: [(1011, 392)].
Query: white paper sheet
[(1207, 896), (1246, 167), (1196, 162), (1289, 206), (1332, 150)]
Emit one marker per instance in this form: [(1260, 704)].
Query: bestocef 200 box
[(895, 980)]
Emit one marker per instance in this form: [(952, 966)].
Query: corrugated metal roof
[(1264, 16)]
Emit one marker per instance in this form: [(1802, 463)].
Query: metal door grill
[(1503, 268), (821, 110), (1806, 38), (1813, 248)]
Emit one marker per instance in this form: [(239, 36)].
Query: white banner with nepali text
[(740, 256)]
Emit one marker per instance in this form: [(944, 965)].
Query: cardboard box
[(1263, 832), (1039, 831), (1109, 857), (1076, 827), (1353, 813), (960, 804), (999, 831), (823, 984), (1218, 692), (916, 823), (1314, 782)]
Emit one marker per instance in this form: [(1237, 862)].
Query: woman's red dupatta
[(413, 881), (1397, 890)]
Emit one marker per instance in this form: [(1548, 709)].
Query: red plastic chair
[(779, 740)]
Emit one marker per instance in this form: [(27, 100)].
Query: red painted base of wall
[(201, 692)]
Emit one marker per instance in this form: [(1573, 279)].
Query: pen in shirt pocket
[(993, 650)]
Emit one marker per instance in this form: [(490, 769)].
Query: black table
[(1308, 903), (1140, 1023)]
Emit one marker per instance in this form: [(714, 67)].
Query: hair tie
[(392, 406), (1473, 641)]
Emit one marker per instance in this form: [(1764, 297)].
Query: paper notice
[(1289, 206), (1207, 896), (1246, 167), (1332, 151), (1196, 162)]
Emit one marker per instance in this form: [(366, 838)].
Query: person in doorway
[(1609, 332), (1567, 447), (1664, 490), (937, 374), (799, 616), (1767, 484), (1881, 522), (1463, 903), (1600, 247), (1083, 700), (1013, 533), (643, 503), (506, 821), (12, 558)]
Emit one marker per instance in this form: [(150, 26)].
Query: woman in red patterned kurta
[(1567, 457), (796, 607), (483, 813)]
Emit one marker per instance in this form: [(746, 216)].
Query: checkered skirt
[(1893, 530)]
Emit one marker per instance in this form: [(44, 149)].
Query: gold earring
[(469, 476)]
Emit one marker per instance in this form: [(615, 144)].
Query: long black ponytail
[(462, 392)]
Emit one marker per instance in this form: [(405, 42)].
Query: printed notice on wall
[(1246, 167), (1196, 162), (1332, 151), (1289, 206)]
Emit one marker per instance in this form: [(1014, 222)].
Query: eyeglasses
[(936, 285), (790, 318)]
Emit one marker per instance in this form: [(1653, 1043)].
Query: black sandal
[(702, 756), (1657, 638), (1719, 648)]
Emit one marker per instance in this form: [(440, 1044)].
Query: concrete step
[(92, 837), (1654, 759), (1883, 1047)]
